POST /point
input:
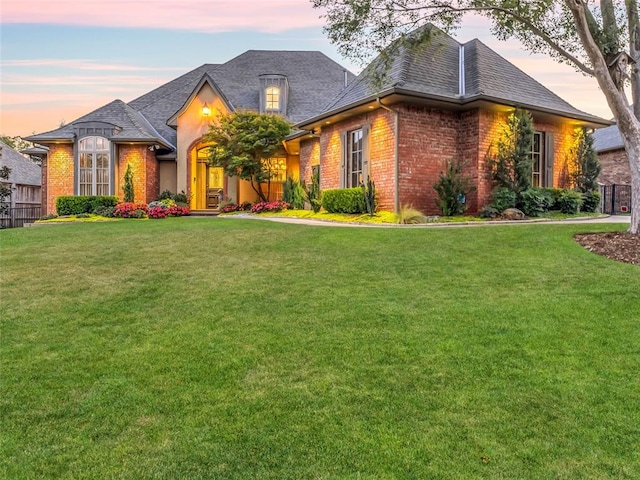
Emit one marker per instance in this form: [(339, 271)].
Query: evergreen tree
[(128, 185)]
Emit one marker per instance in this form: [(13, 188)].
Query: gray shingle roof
[(606, 139), (313, 79), (132, 125), (23, 170), (433, 70)]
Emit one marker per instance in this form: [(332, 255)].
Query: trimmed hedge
[(344, 200), (77, 204)]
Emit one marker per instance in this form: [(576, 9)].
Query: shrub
[(105, 211), (127, 188), (369, 193), (165, 195), (276, 206), (181, 197), (313, 191), (49, 216), (452, 188), (130, 210), (410, 216), (503, 198), (591, 201), (490, 211), (75, 204), (570, 201), (344, 200), (168, 202), (534, 202), (293, 193), (553, 194), (179, 211)]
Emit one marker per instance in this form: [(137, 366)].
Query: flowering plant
[(130, 210), (236, 207), (160, 210), (269, 207)]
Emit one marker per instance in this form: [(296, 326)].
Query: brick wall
[(615, 168), (428, 139), (57, 176), (144, 167)]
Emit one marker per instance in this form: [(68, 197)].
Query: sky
[(61, 59)]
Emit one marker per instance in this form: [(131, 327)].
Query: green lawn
[(224, 348)]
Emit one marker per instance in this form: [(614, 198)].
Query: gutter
[(396, 165)]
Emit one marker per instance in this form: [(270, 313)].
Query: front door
[(209, 182), (215, 186)]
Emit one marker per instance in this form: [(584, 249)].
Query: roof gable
[(205, 80)]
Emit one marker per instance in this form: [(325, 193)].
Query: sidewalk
[(323, 223)]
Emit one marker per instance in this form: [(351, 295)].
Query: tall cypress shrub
[(128, 185)]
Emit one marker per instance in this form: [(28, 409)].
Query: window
[(277, 167), (354, 158), (272, 98), (537, 156), (94, 159)]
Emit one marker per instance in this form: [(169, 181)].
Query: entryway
[(209, 183)]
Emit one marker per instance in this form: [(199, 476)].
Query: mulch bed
[(621, 246)]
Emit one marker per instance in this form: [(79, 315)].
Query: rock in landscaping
[(513, 214)]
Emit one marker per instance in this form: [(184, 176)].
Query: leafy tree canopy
[(243, 142)]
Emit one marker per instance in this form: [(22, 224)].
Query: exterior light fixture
[(206, 111)]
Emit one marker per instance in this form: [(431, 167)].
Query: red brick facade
[(428, 139), (615, 168), (144, 166), (57, 176)]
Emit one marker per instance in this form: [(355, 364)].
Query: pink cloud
[(195, 15)]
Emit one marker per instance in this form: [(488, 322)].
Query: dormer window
[(272, 98), (274, 92)]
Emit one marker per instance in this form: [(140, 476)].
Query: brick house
[(442, 102), (613, 157), (160, 134), (445, 101)]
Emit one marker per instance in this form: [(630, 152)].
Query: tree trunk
[(634, 51), (628, 124)]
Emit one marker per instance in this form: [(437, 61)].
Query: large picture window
[(354, 158), (94, 158)]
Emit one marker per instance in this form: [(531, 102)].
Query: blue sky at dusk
[(72, 61)]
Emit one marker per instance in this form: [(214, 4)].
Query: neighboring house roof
[(434, 70), (312, 76), (131, 126), (23, 170), (606, 139)]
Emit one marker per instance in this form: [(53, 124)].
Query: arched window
[(272, 97), (94, 155)]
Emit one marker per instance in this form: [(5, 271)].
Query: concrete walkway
[(624, 219)]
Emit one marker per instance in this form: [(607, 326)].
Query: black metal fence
[(616, 199), (18, 216)]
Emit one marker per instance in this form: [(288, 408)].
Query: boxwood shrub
[(344, 200), (77, 204)]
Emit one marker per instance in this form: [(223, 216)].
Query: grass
[(224, 348)]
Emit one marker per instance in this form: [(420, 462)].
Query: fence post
[(613, 199)]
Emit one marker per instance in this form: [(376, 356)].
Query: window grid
[(94, 166), (537, 173), (354, 159), (272, 99)]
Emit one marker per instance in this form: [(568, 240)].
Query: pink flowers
[(236, 207), (130, 210), (269, 207), (153, 210)]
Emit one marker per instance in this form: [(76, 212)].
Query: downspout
[(396, 173)]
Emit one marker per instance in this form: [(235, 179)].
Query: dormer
[(274, 93)]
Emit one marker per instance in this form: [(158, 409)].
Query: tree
[(129, 194), (5, 189), (585, 164), (244, 143), (512, 164), (601, 40), (452, 188)]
